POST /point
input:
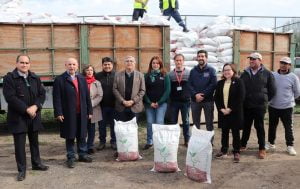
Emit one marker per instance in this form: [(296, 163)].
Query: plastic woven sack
[(127, 140), (199, 155), (165, 140)]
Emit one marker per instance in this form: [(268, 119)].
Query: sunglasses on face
[(284, 63), (253, 58)]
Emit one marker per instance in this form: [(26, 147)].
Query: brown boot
[(262, 154)]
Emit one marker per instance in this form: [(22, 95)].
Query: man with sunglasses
[(260, 88), (25, 96), (281, 105)]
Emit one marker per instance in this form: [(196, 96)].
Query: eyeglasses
[(24, 63), (253, 58)]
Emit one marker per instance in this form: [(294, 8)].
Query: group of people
[(169, 8), (82, 100)]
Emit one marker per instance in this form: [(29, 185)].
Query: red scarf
[(90, 80)]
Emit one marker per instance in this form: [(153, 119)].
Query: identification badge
[(179, 88), (206, 74)]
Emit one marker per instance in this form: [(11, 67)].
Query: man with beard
[(203, 81)]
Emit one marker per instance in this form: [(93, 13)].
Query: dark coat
[(203, 81), (260, 88), (107, 81), (19, 97), (235, 103), (64, 103)]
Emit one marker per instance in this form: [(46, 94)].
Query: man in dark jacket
[(260, 88), (106, 77), (203, 81), (72, 108), (25, 97)]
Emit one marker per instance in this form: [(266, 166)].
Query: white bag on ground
[(165, 140), (127, 140), (199, 155)]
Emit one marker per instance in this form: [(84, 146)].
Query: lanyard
[(179, 79)]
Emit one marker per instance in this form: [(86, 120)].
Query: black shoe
[(21, 176), (86, 159), (186, 144), (147, 146), (115, 154), (40, 167), (70, 163), (221, 155), (91, 151), (185, 30), (113, 146), (101, 146)]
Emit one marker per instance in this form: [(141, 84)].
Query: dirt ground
[(278, 170)]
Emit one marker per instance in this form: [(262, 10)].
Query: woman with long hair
[(229, 97), (158, 89), (96, 94)]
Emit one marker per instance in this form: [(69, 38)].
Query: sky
[(199, 7)]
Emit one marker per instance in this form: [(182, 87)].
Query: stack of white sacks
[(215, 38)]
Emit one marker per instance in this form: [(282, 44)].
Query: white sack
[(206, 41), (222, 39), (127, 140), (226, 52), (165, 141), (225, 59), (199, 155)]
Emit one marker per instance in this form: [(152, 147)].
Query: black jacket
[(235, 103), (107, 80), (19, 97), (260, 88), (64, 103)]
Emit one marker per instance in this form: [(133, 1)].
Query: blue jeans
[(184, 108), (81, 147), (91, 135), (108, 115), (175, 14), (154, 115)]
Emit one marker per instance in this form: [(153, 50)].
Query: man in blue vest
[(170, 8), (140, 7)]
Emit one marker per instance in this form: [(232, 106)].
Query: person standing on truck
[(140, 7), (203, 81), (281, 105), (106, 77), (96, 94), (129, 90), (25, 96), (157, 94), (180, 97), (170, 8), (260, 88), (72, 108)]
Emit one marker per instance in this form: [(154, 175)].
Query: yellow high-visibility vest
[(166, 4), (138, 5)]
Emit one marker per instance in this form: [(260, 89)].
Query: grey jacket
[(138, 91)]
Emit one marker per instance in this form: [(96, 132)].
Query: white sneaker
[(291, 150), (270, 147)]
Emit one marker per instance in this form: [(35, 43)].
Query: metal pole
[(233, 12)]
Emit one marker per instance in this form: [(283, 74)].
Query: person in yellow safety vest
[(140, 7), (170, 8)]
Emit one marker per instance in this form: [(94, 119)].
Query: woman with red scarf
[(96, 95)]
